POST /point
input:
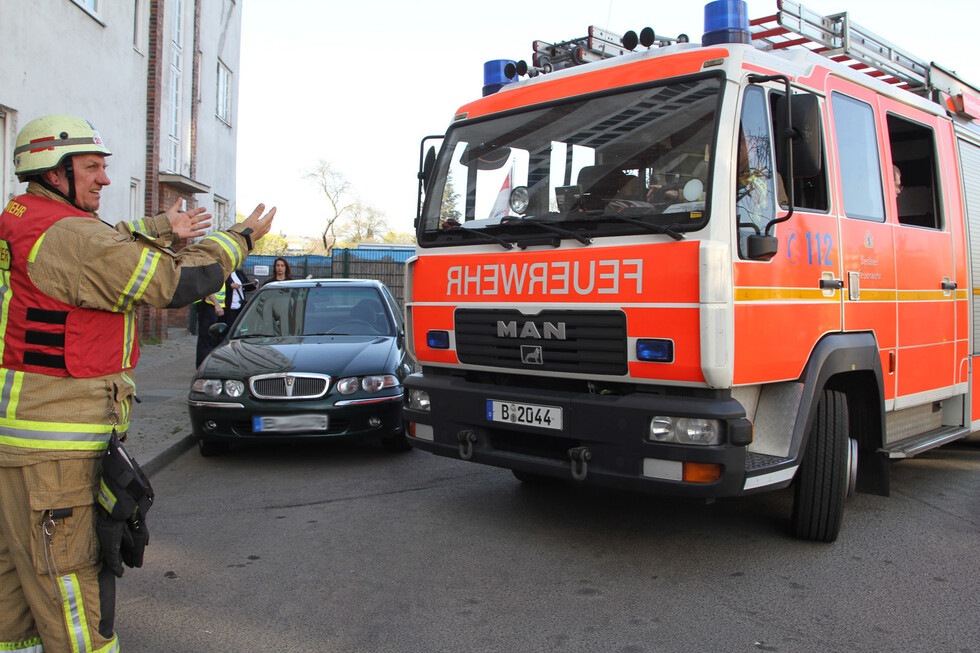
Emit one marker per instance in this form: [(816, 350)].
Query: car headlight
[(234, 388), (348, 385), (210, 387), (378, 382)]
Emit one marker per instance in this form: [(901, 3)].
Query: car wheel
[(827, 472), (210, 448)]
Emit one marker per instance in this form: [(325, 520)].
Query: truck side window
[(858, 158), (914, 169), (755, 196)]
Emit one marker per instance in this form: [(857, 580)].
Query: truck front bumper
[(603, 439)]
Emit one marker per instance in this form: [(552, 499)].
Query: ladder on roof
[(839, 38)]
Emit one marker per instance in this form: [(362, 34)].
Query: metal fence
[(385, 265)]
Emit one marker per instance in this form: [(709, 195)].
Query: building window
[(90, 6), (220, 213), (223, 107), (135, 200), (176, 80), (139, 15)]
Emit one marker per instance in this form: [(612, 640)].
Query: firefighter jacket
[(86, 279)]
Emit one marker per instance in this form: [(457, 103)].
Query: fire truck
[(702, 269)]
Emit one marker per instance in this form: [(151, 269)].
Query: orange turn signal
[(701, 472)]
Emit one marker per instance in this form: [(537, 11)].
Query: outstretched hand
[(259, 224), (188, 224)]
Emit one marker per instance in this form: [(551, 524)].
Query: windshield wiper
[(506, 244), (550, 226), (652, 228)]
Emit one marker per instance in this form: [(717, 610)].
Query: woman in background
[(280, 271)]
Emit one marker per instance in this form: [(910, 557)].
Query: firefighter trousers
[(54, 595)]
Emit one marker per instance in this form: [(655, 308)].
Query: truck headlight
[(419, 400), (685, 430)]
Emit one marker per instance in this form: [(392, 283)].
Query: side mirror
[(806, 134), (217, 330)]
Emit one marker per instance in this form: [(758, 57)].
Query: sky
[(359, 83)]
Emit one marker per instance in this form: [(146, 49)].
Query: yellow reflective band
[(27, 646), (71, 603), (6, 294), (59, 436), (14, 399), (138, 226), (129, 329), (138, 281), (783, 295), (106, 498), (229, 245), (37, 246)]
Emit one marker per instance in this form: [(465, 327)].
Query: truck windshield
[(627, 162)]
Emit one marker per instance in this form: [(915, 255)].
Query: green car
[(306, 359)]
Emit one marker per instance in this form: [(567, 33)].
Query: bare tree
[(363, 223), (338, 192)]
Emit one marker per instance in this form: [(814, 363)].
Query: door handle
[(949, 285), (831, 284)]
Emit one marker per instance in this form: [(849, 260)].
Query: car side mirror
[(217, 330)]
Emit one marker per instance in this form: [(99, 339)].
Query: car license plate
[(289, 423), (548, 417)]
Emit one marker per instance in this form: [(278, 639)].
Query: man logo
[(532, 355), (547, 331)]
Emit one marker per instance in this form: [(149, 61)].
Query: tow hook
[(466, 439), (580, 462)]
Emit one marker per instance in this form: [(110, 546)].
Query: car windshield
[(321, 310), (624, 162)]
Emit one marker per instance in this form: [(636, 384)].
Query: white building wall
[(221, 21), (57, 57)]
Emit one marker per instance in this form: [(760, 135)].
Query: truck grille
[(575, 342), (289, 386)]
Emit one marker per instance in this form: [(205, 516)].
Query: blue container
[(494, 77), (726, 21)]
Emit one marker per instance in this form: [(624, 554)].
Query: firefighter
[(69, 286)]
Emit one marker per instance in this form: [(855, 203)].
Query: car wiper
[(242, 336), (652, 228), (550, 226), (506, 244)]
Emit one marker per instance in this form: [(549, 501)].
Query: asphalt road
[(349, 548)]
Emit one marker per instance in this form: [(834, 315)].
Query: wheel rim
[(852, 466)]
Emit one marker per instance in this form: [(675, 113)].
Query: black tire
[(209, 448), (399, 441), (824, 477)]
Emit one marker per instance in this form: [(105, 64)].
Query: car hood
[(337, 356)]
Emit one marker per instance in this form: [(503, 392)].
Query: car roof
[(316, 283)]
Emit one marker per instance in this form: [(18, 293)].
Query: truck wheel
[(827, 474)]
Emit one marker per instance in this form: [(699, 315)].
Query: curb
[(168, 455)]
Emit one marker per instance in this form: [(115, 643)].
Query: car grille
[(289, 386), (582, 342)]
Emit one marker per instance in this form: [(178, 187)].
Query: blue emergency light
[(494, 76), (726, 21)]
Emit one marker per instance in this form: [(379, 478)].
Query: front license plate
[(548, 417), (289, 423)]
